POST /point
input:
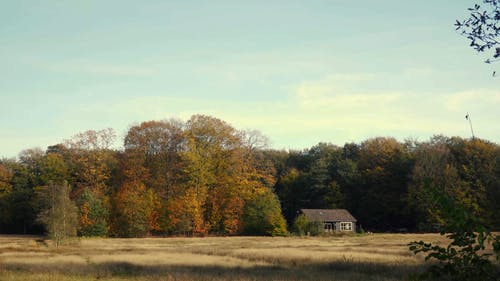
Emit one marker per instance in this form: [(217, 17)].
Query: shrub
[(302, 226), (262, 215)]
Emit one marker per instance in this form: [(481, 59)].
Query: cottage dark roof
[(328, 215)]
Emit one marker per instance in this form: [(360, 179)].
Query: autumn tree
[(254, 175), (257, 170), (92, 215), (5, 177), (52, 167), (185, 213), (211, 172), (135, 206), (134, 210), (5, 192), (476, 163), (91, 164), (59, 214), (159, 145), (91, 159)]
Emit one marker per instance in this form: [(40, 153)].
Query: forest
[(204, 177)]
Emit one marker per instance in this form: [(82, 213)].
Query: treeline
[(390, 185), (204, 177), (184, 178)]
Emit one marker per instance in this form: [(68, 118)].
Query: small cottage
[(333, 219)]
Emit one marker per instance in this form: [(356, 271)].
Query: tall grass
[(369, 257)]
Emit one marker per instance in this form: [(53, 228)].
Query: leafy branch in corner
[(470, 252), (482, 28)]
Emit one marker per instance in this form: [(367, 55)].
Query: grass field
[(367, 257)]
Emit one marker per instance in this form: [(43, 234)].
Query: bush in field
[(466, 257), (302, 226), (59, 215), (262, 215)]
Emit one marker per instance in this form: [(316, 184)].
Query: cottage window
[(345, 226)]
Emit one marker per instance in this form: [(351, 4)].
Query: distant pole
[(470, 124)]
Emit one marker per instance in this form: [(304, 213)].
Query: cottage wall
[(339, 220)]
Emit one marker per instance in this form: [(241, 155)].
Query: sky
[(301, 72)]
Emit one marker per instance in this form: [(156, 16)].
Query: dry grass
[(369, 257)]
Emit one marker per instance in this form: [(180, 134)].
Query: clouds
[(473, 99), (337, 107), (304, 74), (342, 92), (355, 102)]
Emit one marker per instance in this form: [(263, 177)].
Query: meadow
[(381, 257)]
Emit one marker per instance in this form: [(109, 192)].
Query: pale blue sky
[(299, 71)]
